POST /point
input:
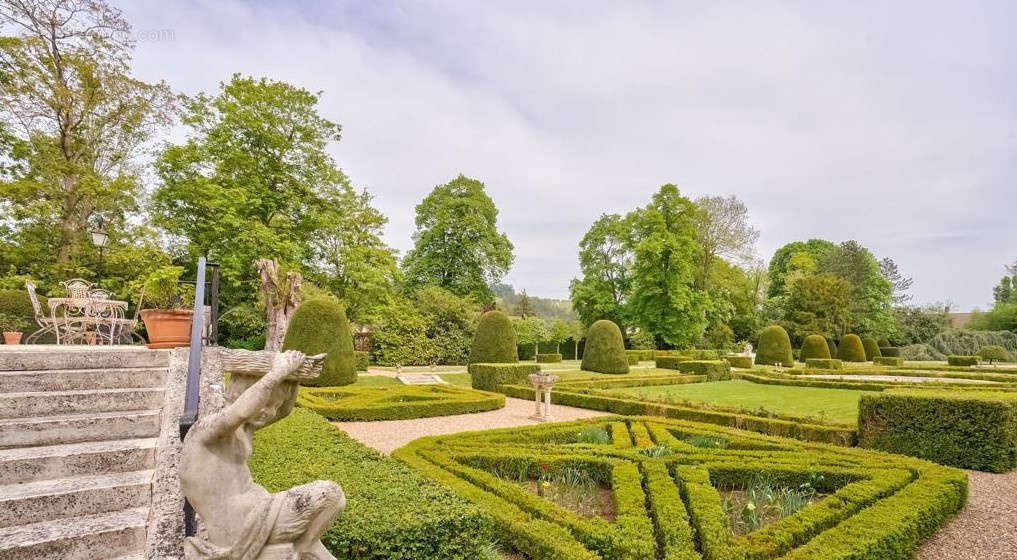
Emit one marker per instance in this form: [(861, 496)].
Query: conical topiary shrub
[(851, 349), (775, 347), (832, 346), (814, 346), (319, 325), (871, 347), (605, 349), (495, 340)]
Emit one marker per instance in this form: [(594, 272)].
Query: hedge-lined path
[(898, 378), (389, 435), (985, 528)]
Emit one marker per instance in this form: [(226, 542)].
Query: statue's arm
[(255, 398)]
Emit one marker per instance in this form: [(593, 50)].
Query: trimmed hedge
[(851, 349), (823, 363), (814, 346), (640, 356), (967, 429), (714, 370), (775, 347), (16, 303), (319, 325), (548, 358), (962, 360), (605, 349), (670, 362), (398, 402), (871, 347), (489, 377), (742, 362), (632, 360), (392, 512), (889, 352), (494, 341), (888, 361), (363, 360)]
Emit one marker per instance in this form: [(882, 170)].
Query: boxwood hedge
[(363, 360), (319, 325), (742, 362), (962, 360), (547, 358), (398, 402), (888, 361), (605, 349), (775, 347), (714, 370), (823, 363), (851, 349), (488, 377), (670, 362), (814, 346)]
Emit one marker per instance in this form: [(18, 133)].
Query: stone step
[(28, 464), (72, 379), (74, 428), (32, 357), (45, 500), (118, 534), (45, 403)]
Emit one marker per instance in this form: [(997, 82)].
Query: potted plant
[(168, 312), (12, 327)]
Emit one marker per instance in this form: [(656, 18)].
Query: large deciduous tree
[(457, 244), (819, 304), (872, 294), (794, 256), (605, 259), (724, 231)]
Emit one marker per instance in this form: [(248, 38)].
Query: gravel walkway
[(389, 435), (904, 378), (986, 529)]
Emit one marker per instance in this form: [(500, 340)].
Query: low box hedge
[(670, 362), (823, 363), (363, 360), (488, 377), (889, 351), (632, 359), (548, 358), (888, 361), (714, 370), (392, 512), (967, 429), (742, 362), (398, 402), (640, 355), (962, 360)]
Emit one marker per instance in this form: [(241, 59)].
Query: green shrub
[(921, 353), (889, 351), (888, 361), (714, 370), (397, 402), (636, 356), (823, 363), (363, 360), (741, 362), (832, 346), (775, 347), (871, 347), (548, 358), (962, 342), (670, 362), (993, 353), (814, 346), (967, 429), (495, 340), (605, 349), (392, 512), (319, 325), (633, 360), (851, 349), (962, 360), (16, 304), (489, 377)]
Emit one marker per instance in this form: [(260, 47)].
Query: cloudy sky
[(892, 125)]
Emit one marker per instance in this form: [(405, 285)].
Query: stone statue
[(242, 520)]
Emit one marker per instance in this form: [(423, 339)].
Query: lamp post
[(99, 239)]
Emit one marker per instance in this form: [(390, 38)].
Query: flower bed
[(398, 402)]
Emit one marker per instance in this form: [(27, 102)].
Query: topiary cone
[(775, 347), (851, 349), (871, 347), (605, 349), (495, 340), (319, 325), (814, 346)]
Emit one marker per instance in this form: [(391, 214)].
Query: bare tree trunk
[(281, 296)]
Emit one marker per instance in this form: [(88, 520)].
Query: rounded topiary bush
[(993, 353), (319, 325), (832, 346), (871, 347), (605, 349), (851, 349), (495, 341), (775, 347), (814, 346)]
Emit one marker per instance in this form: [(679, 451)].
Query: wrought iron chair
[(100, 293), (45, 322), (78, 288), (126, 330)]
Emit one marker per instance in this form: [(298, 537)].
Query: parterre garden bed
[(396, 402)]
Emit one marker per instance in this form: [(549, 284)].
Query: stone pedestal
[(542, 384)]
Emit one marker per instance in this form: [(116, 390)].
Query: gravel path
[(389, 435), (986, 529), (904, 378)]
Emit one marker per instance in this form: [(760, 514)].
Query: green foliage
[(1002, 317), (815, 346), (714, 370), (872, 293), (992, 353), (819, 303), (243, 326), (427, 326), (530, 331), (11, 323), (891, 361), (851, 349), (392, 512), (363, 360), (832, 346), (889, 351), (489, 377), (457, 243), (548, 358), (669, 362), (871, 347), (822, 363), (968, 342), (495, 340), (795, 256), (605, 260), (921, 353), (605, 349), (741, 362), (398, 402), (955, 360), (966, 429), (774, 347), (163, 289), (919, 325), (16, 306), (319, 325)]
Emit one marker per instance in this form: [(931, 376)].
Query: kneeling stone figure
[(242, 520)]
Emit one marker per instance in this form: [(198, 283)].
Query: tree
[(819, 304), (900, 283), (428, 326), (75, 123), (803, 253), (663, 299), (1004, 292), (577, 331), (605, 260), (530, 330), (724, 232), (281, 296), (558, 333), (523, 307), (457, 244), (919, 325), (872, 294)]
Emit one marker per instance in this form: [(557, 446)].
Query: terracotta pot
[(168, 328), (12, 337)]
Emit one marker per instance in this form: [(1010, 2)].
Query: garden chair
[(45, 322), (77, 288), (126, 330), (100, 293)]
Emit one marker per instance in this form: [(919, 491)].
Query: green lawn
[(837, 405)]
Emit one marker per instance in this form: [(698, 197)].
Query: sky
[(893, 124)]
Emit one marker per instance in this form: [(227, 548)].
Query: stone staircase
[(78, 432)]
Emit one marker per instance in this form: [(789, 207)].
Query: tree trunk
[(281, 296)]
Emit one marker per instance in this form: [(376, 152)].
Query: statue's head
[(284, 396)]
